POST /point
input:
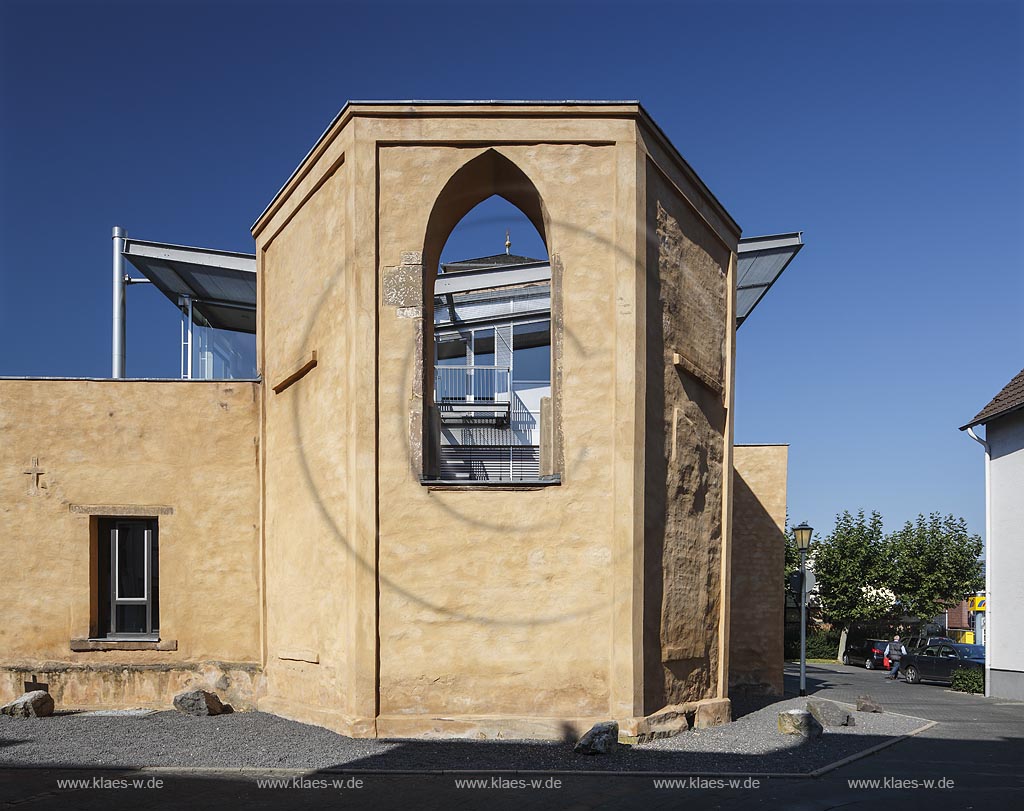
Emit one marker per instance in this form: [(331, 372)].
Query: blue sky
[(890, 133)]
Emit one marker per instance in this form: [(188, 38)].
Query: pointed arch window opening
[(491, 353)]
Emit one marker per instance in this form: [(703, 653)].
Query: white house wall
[(1005, 557)]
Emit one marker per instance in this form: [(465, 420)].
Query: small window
[(129, 578)]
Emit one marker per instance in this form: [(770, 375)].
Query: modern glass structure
[(492, 366)]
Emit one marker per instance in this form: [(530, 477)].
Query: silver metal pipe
[(181, 348), (118, 321), (189, 367)]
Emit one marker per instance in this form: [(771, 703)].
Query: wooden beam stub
[(691, 368), (297, 374)]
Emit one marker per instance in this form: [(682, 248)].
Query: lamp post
[(803, 534)]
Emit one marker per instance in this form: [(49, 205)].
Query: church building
[(488, 498)]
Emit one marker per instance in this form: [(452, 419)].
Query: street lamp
[(803, 534)]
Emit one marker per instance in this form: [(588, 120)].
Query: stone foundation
[(118, 686), (676, 718)]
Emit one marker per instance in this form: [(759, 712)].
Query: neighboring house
[(1003, 419), (958, 622)]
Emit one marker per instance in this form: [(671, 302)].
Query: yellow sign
[(977, 603)]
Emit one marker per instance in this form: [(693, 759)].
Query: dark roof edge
[(1008, 399), (648, 119), (987, 418)]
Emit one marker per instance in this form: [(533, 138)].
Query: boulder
[(37, 704), (666, 723), (799, 722), (600, 739), (198, 702), (830, 714), (868, 704)]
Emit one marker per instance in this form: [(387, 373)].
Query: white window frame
[(114, 588)]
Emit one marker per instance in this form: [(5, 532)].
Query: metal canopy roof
[(221, 284), (760, 261)]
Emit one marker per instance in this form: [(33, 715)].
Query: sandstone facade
[(347, 588)]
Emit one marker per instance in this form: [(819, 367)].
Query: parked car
[(940, 662), (866, 652), (915, 643)]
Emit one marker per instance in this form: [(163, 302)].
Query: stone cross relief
[(36, 486)]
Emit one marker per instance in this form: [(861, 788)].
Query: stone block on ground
[(712, 712), (830, 714), (666, 723), (868, 704), (199, 702), (600, 739), (36, 704), (799, 722)]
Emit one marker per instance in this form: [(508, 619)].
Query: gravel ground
[(751, 744)]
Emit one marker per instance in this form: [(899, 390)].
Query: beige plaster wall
[(498, 602), (309, 302), (186, 452), (439, 610), (759, 509), (328, 580)]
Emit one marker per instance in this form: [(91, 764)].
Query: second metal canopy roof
[(221, 284), (759, 263)]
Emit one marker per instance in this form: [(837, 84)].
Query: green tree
[(849, 567), (792, 553), (933, 563)]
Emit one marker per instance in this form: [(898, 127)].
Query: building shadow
[(608, 782)]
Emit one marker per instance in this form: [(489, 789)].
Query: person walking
[(895, 651)]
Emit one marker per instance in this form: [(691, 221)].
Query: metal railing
[(472, 384)]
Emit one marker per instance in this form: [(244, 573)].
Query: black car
[(939, 662), (866, 652), (915, 643)]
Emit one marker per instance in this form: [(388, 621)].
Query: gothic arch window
[(489, 334)]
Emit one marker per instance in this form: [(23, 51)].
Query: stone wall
[(758, 569), (184, 452), (102, 685), (687, 297)]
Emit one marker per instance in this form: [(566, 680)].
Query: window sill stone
[(466, 484), (82, 645)]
